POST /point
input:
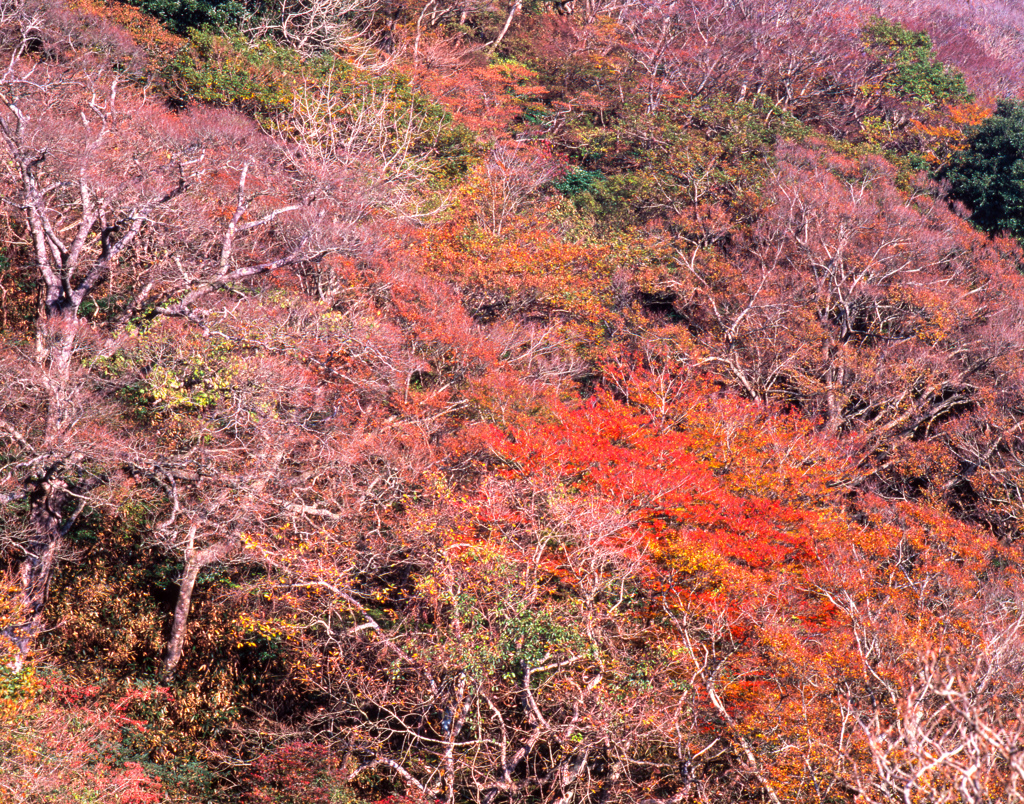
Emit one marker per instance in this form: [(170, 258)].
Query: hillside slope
[(510, 403)]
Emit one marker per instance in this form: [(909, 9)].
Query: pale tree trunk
[(514, 7), (195, 560), (50, 520), (54, 503), (176, 643), (47, 496)]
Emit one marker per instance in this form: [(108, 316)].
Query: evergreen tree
[(183, 15), (988, 175)]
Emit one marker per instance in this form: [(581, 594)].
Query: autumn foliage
[(502, 402)]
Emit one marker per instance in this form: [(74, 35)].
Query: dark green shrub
[(263, 79), (226, 71), (578, 181), (988, 175), (183, 15)]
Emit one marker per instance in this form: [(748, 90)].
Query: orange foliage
[(485, 98), (117, 20)]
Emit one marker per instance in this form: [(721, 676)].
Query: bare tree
[(512, 175), (312, 26), (121, 209), (949, 728)]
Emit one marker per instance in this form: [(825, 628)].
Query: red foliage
[(659, 500), (297, 772)]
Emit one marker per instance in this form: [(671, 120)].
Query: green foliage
[(16, 684), (603, 198), (189, 776), (646, 166), (988, 176), (164, 380), (183, 15), (259, 79), (577, 181), (265, 80), (528, 635), (915, 71)]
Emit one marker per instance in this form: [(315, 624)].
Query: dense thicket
[(476, 402), (988, 174)]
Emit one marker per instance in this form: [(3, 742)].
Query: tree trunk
[(195, 560), (514, 6), (176, 643), (49, 494)]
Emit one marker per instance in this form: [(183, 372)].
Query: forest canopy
[(485, 402)]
